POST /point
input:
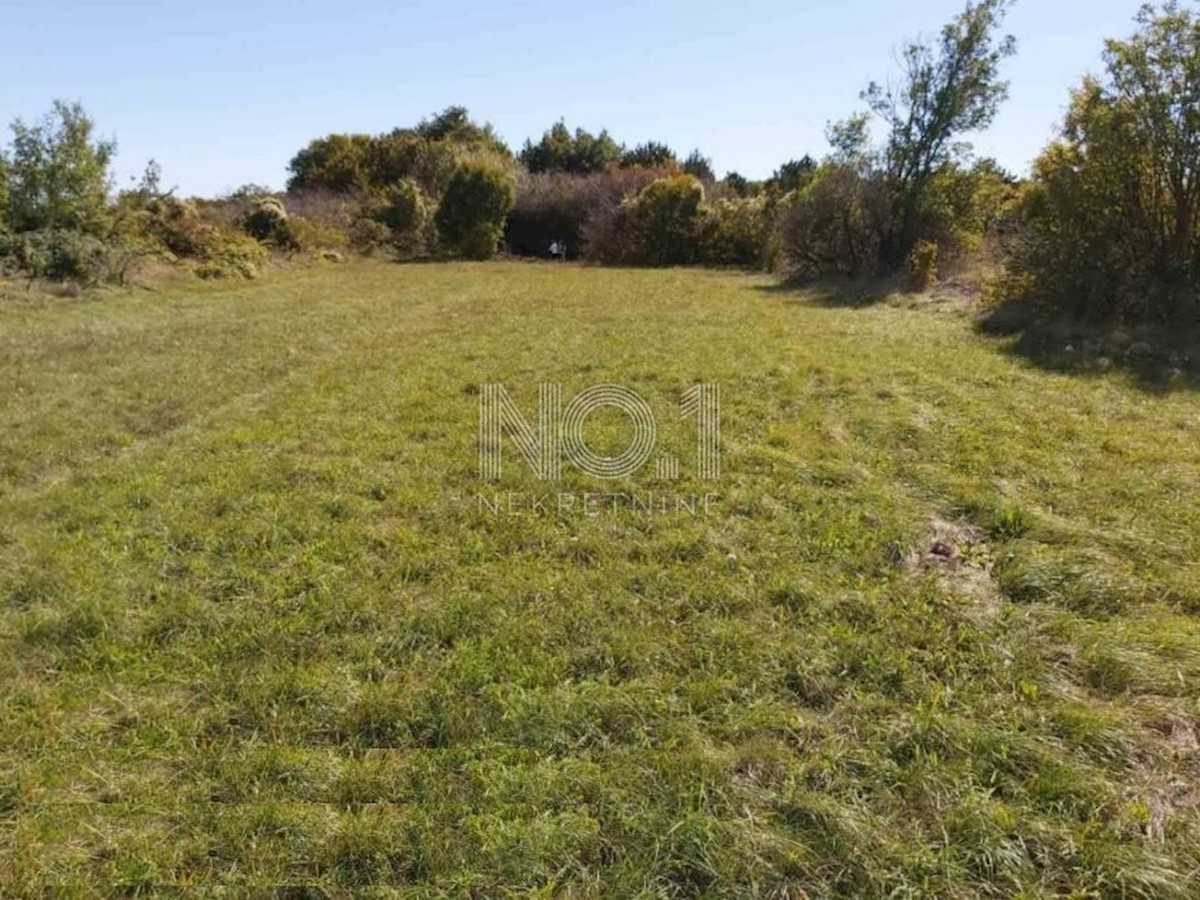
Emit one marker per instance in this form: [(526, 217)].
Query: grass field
[(938, 635)]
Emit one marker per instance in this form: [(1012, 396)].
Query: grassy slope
[(255, 631)]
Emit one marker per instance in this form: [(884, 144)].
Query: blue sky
[(222, 93)]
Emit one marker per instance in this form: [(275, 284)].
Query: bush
[(1108, 228), (961, 206), (470, 218), (922, 266), (834, 225), (658, 226), (735, 232), (267, 220), (368, 236), (176, 224), (313, 235), (321, 219), (403, 210), (402, 207), (59, 255), (428, 154), (229, 254), (570, 209)]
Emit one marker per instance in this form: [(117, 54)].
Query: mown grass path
[(257, 630)]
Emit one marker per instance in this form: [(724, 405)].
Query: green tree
[(1112, 218), (404, 154), (945, 91), (454, 125), (59, 173), (649, 155), (1154, 90), (470, 217), (427, 153), (335, 162), (578, 154), (738, 184), (792, 175), (698, 166), (850, 142)]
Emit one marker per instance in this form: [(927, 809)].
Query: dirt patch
[(1170, 782), (960, 559)]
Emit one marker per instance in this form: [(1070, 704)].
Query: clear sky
[(223, 92)]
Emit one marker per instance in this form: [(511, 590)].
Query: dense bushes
[(637, 216), (735, 232), (656, 227), (56, 219), (59, 255), (470, 217), (427, 153), (569, 209), (1110, 225), (835, 224)]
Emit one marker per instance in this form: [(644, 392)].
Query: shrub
[(658, 226), (834, 225), (321, 219), (572, 209), (922, 266), (312, 235), (59, 255), (369, 236), (735, 232), (403, 208), (1108, 227), (228, 253), (176, 224), (405, 211), (470, 218), (267, 220)]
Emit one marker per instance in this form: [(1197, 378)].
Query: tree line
[(1105, 224)]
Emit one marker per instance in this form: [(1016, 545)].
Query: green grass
[(256, 630)]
